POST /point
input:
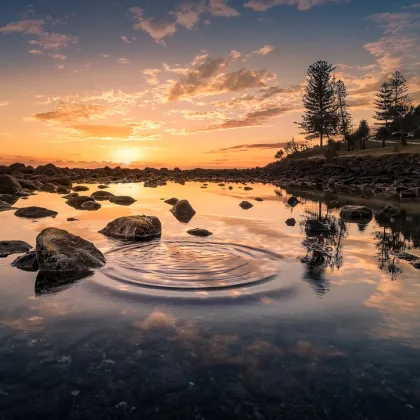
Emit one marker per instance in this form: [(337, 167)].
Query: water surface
[(229, 326)]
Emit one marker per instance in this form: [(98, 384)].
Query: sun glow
[(127, 155)]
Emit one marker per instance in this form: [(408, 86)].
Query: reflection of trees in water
[(323, 249)]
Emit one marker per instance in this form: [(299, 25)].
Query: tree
[(344, 114), (290, 148), (363, 133), (401, 102), (382, 134), (321, 111), (383, 104)]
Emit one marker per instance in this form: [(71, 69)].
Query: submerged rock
[(102, 195), (183, 211), (199, 232), (133, 228), (246, 205), (350, 213), (91, 206), (80, 188), (27, 262), (291, 222), (59, 250), (122, 200), (35, 212), (72, 219), (13, 247), (172, 201), (77, 202), (259, 199), (248, 188)]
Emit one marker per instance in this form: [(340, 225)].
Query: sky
[(194, 83)]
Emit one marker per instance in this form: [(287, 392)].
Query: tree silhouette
[(321, 117), (344, 114), (383, 104), (363, 133)]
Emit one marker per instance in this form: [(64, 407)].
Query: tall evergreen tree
[(343, 110), (363, 133), (321, 117), (401, 101), (383, 104)]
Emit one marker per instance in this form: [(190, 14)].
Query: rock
[(122, 200), (259, 199), (72, 219), (91, 206), (134, 228), (52, 282), (77, 202), (333, 204), (63, 180), (221, 185), (62, 190), (248, 188), (416, 265), (150, 184), (71, 195), (199, 232), (390, 211), (291, 222), (350, 213), (59, 250), (80, 188), (102, 195), (51, 188), (103, 186), (10, 199), (9, 185), (35, 212), (315, 227), (28, 185), (5, 206), (13, 247), (27, 262), (293, 201), (171, 201), (230, 187), (408, 194), (183, 211), (246, 205)]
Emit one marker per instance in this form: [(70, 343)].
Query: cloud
[(105, 131), (151, 76), (4, 103), (250, 119), (220, 8), (125, 39), (263, 5), (69, 113), (246, 147), (35, 52), (54, 41), (123, 61), (27, 27), (265, 50)]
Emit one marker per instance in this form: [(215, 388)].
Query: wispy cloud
[(247, 147), (263, 5)]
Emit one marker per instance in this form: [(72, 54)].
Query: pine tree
[(321, 111), (363, 133), (383, 104), (344, 114), (401, 101)]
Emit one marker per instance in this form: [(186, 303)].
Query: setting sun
[(127, 155)]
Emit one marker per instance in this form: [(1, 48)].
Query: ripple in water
[(190, 266)]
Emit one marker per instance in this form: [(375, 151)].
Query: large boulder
[(356, 213), (133, 228), (122, 200), (59, 250), (28, 185), (13, 247), (102, 195), (27, 262), (77, 202), (48, 187), (35, 212), (183, 211), (7, 198), (9, 185), (62, 180)]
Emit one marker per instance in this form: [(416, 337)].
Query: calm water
[(230, 326)]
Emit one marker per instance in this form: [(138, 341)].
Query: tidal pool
[(232, 326)]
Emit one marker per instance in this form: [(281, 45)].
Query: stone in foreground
[(77, 202), (355, 213), (27, 262), (59, 250), (200, 232), (135, 228), (13, 247), (246, 205), (35, 212), (183, 211)]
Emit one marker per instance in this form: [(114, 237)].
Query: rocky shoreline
[(394, 176)]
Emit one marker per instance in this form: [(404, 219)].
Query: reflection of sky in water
[(301, 315)]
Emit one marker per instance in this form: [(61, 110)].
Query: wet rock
[(10, 199), (80, 188), (91, 206), (27, 262), (134, 228), (291, 222), (150, 184), (34, 212), (230, 187), (102, 195), (416, 265), (71, 195), (28, 185), (59, 250), (172, 201), (64, 181), (356, 213), (183, 211), (103, 186), (314, 226), (51, 282), (199, 232), (258, 199), (221, 185), (390, 211), (248, 188), (13, 247), (77, 202), (48, 187), (293, 201), (72, 219), (246, 205), (5, 206), (62, 190), (122, 200), (9, 185)]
